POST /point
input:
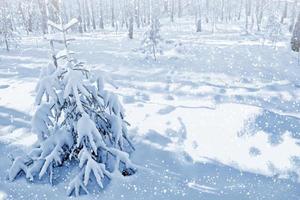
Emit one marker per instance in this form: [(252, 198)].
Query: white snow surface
[(215, 117)]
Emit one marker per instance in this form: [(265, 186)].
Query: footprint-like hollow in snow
[(166, 110), (142, 96), (253, 151), (4, 86), (155, 137), (128, 99)]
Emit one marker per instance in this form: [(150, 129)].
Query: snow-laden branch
[(20, 164), (122, 156), (46, 86), (86, 128), (111, 100), (58, 27), (98, 169), (41, 121), (101, 77), (74, 85), (116, 128), (63, 27), (76, 184)]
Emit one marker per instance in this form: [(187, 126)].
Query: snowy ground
[(216, 117)]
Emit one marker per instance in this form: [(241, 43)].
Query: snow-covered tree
[(8, 37), (151, 43), (78, 120)]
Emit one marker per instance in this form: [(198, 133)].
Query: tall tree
[(101, 20), (198, 16), (7, 35), (284, 12), (293, 16), (112, 8), (172, 10), (179, 8), (131, 10)]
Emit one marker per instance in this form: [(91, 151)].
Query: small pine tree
[(151, 43), (77, 121)]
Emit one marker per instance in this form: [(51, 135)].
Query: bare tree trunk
[(179, 8), (292, 22), (4, 25), (284, 14), (84, 16), (144, 13), (149, 12), (137, 13), (172, 10), (240, 10), (222, 10), (214, 18), (29, 21), (257, 11), (101, 23), (23, 16), (42, 8), (87, 13), (130, 30), (198, 16), (112, 13), (6, 43), (246, 15), (207, 10), (166, 9), (229, 12), (80, 28), (91, 5), (154, 52), (131, 10), (124, 14)]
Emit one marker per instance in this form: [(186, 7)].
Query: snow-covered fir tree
[(80, 124), (152, 41)]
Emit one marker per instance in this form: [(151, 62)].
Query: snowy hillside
[(215, 117)]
